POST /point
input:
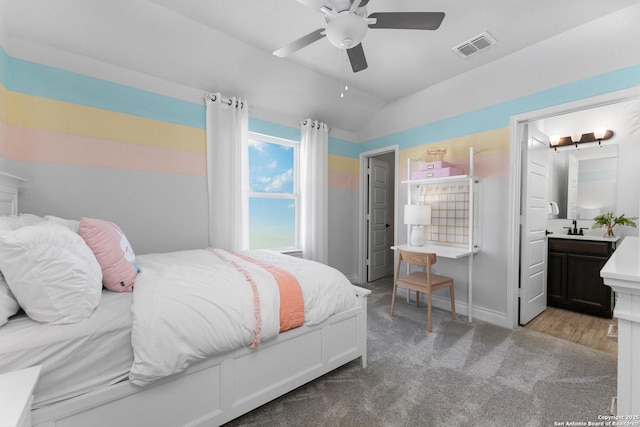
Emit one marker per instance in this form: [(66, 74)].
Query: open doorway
[(519, 127), (377, 213)]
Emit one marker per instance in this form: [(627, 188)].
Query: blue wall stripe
[(274, 129), (49, 82), (340, 147), (498, 115), (4, 61)]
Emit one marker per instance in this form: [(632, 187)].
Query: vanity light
[(599, 134), (576, 137)]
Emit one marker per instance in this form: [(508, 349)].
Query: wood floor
[(580, 328)]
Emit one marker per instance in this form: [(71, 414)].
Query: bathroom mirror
[(585, 181)]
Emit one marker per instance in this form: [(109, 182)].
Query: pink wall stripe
[(494, 165), (36, 145), (342, 180), (3, 139)]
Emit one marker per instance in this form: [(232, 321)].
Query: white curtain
[(314, 148), (227, 171)]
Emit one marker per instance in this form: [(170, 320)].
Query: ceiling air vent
[(475, 45)]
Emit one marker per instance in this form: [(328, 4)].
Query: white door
[(533, 228), (378, 243)]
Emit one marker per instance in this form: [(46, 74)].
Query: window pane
[(270, 167), (272, 223)]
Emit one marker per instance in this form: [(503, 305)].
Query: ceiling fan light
[(347, 30)]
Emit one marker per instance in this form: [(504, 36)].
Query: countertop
[(444, 251), (624, 264), (596, 237)]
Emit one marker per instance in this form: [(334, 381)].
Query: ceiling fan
[(348, 22)]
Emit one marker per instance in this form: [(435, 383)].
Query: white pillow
[(51, 271), (8, 304), (30, 219), (71, 224), (13, 222)]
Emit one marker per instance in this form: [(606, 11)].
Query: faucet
[(574, 231)]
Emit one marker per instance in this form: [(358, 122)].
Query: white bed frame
[(217, 390)]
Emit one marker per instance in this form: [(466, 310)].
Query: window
[(273, 193)]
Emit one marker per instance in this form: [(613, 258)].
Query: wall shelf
[(445, 179), (454, 221)]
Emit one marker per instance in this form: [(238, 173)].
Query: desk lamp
[(417, 216)]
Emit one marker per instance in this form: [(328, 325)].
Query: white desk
[(16, 395), (622, 274), (452, 252)]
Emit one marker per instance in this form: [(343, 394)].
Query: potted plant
[(608, 221)]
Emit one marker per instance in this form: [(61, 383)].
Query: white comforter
[(190, 305)]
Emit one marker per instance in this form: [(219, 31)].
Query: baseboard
[(479, 313), (353, 278)]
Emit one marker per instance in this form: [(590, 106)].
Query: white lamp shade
[(346, 30), (599, 133), (576, 137), (417, 214)]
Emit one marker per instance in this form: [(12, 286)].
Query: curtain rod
[(316, 123), (226, 100)]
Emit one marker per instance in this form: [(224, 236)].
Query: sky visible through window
[(271, 220)]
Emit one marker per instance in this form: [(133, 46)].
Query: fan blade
[(357, 58), (407, 20), (300, 43)]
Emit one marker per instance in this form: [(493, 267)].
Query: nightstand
[(16, 396)]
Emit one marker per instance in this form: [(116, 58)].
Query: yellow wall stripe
[(342, 164), (57, 116), (3, 103), (488, 142)]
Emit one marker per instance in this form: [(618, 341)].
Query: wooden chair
[(420, 281)]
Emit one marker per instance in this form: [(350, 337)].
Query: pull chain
[(344, 86)]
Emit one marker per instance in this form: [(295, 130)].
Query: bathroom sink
[(585, 237)]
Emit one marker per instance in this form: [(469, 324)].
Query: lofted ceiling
[(227, 45)]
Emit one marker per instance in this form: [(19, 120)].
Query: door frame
[(362, 205), (517, 123)]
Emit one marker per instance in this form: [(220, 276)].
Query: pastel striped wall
[(59, 117), (55, 116), (490, 161), (3, 101)]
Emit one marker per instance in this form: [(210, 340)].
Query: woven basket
[(435, 154)]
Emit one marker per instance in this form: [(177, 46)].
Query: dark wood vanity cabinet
[(573, 279)]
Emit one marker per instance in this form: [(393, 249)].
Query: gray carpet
[(461, 374)]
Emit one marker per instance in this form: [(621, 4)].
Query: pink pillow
[(113, 252)]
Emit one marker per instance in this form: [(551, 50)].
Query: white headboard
[(9, 193)]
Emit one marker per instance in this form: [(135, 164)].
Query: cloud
[(279, 181), (258, 145)]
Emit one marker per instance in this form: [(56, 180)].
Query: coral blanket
[(291, 302)]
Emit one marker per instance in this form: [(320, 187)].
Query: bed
[(158, 356)]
